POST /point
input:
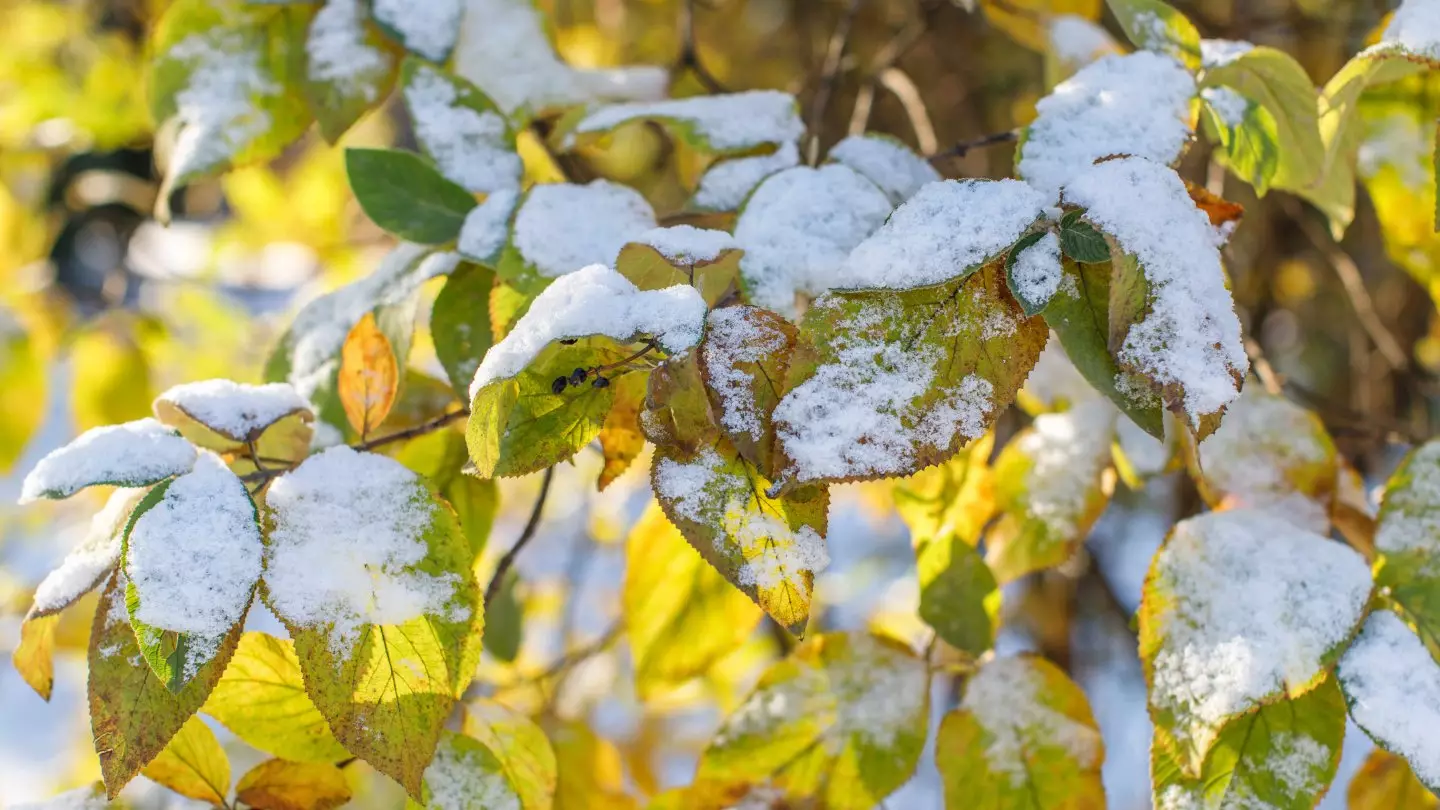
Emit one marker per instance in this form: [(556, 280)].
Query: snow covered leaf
[(1392, 685), (522, 748), (487, 228), (1273, 454), (348, 70), (563, 227), (193, 764), (1408, 539), (279, 785), (621, 437), (769, 547), (1241, 609), (1172, 320), (428, 29), (406, 195), (744, 358), (226, 80), (369, 376), (1282, 755), (1033, 270), (958, 593), (843, 720), (713, 273), (135, 454), (1273, 81), (465, 774), (34, 655), (1023, 737), (461, 129), (1247, 134), (1385, 782), (955, 498), (371, 574), (1052, 481), (132, 713), (886, 162), (89, 797), (23, 382), (886, 383), (460, 324), (726, 123), (681, 616), (797, 229), (1154, 25), (727, 182), (1025, 21), (224, 416), (87, 565)]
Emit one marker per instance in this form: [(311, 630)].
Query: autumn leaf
[(369, 376), (34, 656), (193, 764), (621, 439), (279, 785)]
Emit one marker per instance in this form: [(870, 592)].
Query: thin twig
[(690, 52), (899, 82), (962, 148), (829, 76), (265, 474), (503, 567)]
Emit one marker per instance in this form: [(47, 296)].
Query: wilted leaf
[(649, 269), (621, 439), (1385, 782), (1153, 25), (193, 764), (1220, 210), (521, 747), (279, 785), (34, 656), (369, 376), (460, 324)]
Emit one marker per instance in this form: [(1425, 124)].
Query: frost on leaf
[(460, 128), (1035, 271), (91, 560), (727, 182), (843, 718), (427, 28), (797, 229), (1051, 484), (521, 746), (887, 383), (224, 415), (562, 227), (683, 255), (371, 574), (134, 454), (770, 548), (887, 163), (1137, 104), (463, 775), (1240, 609), (192, 558), (1282, 756), (744, 359), (1270, 454), (1023, 736), (1172, 320), (723, 123), (1392, 685), (1408, 539), (347, 68)]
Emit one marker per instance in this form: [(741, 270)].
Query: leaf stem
[(267, 473), (503, 567), (962, 148)]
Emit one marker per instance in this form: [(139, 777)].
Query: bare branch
[(503, 567)]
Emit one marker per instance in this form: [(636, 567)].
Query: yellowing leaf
[(1154, 25), (955, 498), (1385, 782), (680, 614), (261, 699), (460, 323), (464, 773), (369, 376), (621, 439), (193, 764), (744, 359), (649, 269), (279, 785), (591, 771), (520, 746), (1278, 84), (34, 656), (1220, 210), (22, 391), (111, 375)]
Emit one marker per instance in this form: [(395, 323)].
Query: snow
[(1410, 517), (427, 28), (90, 797), (1253, 604), (880, 691), (1219, 52), (594, 301), (727, 183), (504, 50), (1054, 382), (687, 244), (1069, 451), (563, 227), (91, 559), (348, 537), (1036, 273), (726, 122), (1399, 141), (1227, 104), (1137, 104), (222, 107), (1393, 687), (487, 226), (1190, 336), (338, 52), (130, 454), (194, 558), (703, 491), (732, 340), (1006, 699), (1079, 41), (1416, 28), (946, 229), (471, 147), (887, 163), (236, 410), (459, 779), (797, 229)]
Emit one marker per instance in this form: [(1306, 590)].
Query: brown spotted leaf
[(744, 359)]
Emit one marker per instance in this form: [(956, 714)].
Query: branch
[(830, 75), (962, 148), (690, 53), (267, 473), (503, 567)]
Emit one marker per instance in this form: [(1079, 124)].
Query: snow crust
[(470, 147), (892, 166), (235, 409), (563, 227), (728, 121), (130, 454), (1393, 686)]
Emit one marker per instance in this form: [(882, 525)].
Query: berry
[(558, 387), (578, 376), (568, 341), (600, 382)]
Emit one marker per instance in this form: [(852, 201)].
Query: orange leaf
[(369, 376), (1219, 209), (279, 785)]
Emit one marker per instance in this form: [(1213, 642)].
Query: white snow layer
[(131, 454), (470, 147), (461, 779), (91, 559), (1228, 104), (223, 106), (1078, 41), (487, 226), (731, 342), (687, 244), (887, 163), (727, 183), (427, 27), (236, 410), (563, 227), (338, 53), (1037, 272), (1219, 52), (1416, 28), (1006, 700), (1410, 517), (727, 122), (1393, 686)]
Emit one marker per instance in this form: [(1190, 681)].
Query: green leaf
[(504, 618), (1282, 756), (769, 547), (1406, 542), (348, 69), (279, 785), (1022, 739), (958, 593), (649, 269), (193, 764), (461, 129), (955, 498), (261, 699), (744, 359), (1017, 289), (1155, 26), (843, 719), (1080, 241), (132, 714), (681, 616), (521, 747), (1385, 782), (464, 773), (1274, 82), (678, 408), (406, 195), (460, 324), (1250, 144), (476, 502), (22, 384)]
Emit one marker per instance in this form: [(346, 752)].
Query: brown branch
[(690, 53), (962, 148), (265, 474), (503, 567), (829, 76)]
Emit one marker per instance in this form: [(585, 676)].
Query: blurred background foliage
[(101, 308)]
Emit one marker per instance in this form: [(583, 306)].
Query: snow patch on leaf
[(487, 226), (887, 163), (338, 52), (235, 409), (91, 559), (1416, 28), (131, 454), (1007, 698), (726, 122), (687, 244), (563, 227), (471, 147), (1393, 687), (727, 183), (427, 28)]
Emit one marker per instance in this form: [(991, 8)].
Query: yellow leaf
[(1385, 782), (34, 657), (591, 769), (369, 376), (521, 747), (1028, 21), (620, 438), (279, 785), (111, 376), (22, 391), (193, 764)]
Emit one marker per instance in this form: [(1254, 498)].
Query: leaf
[(132, 714), (1080, 241), (110, 375), (465, 773), (1026, 20), (406, 195), (1385, 782), (1406, 540), (955, 498), (89, 564), (958, 593), (649, 269), (1219, 210), (1033, 300), (1277, 83), (133, 454), (1391, 680), (521, 747), (1282, 756), (621, 439), (842, 719), (279, 785), (193, 764), (261, 699), (678, 408), (225, 416), (744, 359), (1247, 134), (1023, 737), (681, 616), (886, 383), (460, 324), (22, 384), (590, 771), (769, 547), (504, 618), (1154, 26), (369, 376), (1052, 481), (348, 69), (431, 34), (461, 129), (34, 656)]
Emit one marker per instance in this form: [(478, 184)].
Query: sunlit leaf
[(649, 269), (524, 753), (406, 195), (621, 439), (279, 785), (23, 387), (1391, 680), (34, 656), (460, 323), (193, 764), (1385, 782), (369, 376), (958, 593), (955, 498), (1154, 25)]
